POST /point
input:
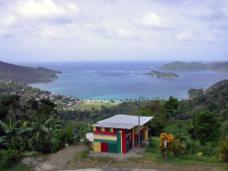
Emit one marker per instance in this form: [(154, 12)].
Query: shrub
[(206, 127), (209, 149), (177, 129), (182, 141), (223, 149), (69, 135), (166, 143), (224, 128), (57, 140), (193, 146), (154, 143), (151, 143), (9, 158), (179, 148)]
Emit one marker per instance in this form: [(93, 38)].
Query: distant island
[(23, 74), (195, 66), (159, 74)]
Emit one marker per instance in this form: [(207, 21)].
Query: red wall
[(124, 148), (104, 147)]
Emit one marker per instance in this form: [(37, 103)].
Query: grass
[(96, 105), (153, 154), (17, 167), (188, 159), (152, 158), (81, 155)]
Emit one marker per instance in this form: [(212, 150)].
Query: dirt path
[(114, 169), (59, 160)]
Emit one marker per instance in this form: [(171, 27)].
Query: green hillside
[(184, 66), (215, 99), (195, 66)]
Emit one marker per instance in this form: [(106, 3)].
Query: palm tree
[(8, 129)]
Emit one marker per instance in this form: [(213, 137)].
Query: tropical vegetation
[(31, 126), (198, 126)]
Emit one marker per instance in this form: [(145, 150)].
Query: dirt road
[(59, 160)]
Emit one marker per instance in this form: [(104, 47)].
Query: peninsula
[(24, 74)]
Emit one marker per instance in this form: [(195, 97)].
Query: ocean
[(123, 80)]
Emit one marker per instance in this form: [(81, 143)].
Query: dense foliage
[(214, 99), (205, 127), (223, 149), (30, 126)]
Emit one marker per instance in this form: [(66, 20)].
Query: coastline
[(122, 81)]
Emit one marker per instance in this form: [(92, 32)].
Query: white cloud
[(152, 19), (7, 21), (29, 14), (124, 33), (186, 36), (197, 36), (23, 10), (147, 27), (45, 8), (111, 31), (120, 34)]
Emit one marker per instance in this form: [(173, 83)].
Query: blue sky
[(107, 30)]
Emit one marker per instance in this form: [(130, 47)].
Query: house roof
[(123, 121)]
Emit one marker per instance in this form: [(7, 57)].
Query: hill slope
[(195, 66), (11, 72), (184, 66), (214, 99), (219, 66)]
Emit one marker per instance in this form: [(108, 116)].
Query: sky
[(113, 30)]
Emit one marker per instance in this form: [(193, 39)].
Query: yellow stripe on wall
[(133, 138), (97, 147), (105, 137), (94, 128), (103, 129), (146, 135)]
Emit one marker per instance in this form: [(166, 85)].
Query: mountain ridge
[(195, 66), (25, 74)]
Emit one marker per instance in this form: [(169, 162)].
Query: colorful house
[(120, 133)]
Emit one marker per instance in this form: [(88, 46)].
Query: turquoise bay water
[(121, 80)]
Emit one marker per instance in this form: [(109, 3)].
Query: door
[(104, 147)]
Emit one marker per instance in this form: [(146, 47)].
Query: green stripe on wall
[(105, 141), (119, 142), (112, 148)]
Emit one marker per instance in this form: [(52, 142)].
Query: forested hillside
[(215, 99)]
